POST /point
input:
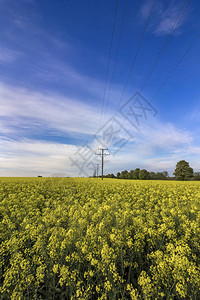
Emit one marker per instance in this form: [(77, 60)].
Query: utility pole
[(97, 173), (102, 154)]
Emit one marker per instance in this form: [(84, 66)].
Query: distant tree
[(111, 175), (136, 173), (183, 170), (152, 175), (160, 176), (131, 174), (144, 174), (141, 174), (166, 174), (118, 175), (196, 176), (124, 174)]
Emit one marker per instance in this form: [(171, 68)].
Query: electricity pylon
[(102, 154)]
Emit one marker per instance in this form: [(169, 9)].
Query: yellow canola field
[(91, 239)]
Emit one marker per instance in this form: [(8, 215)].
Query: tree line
[(182, 172), (140, 174)]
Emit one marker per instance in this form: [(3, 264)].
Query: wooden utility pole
[(102, 154)]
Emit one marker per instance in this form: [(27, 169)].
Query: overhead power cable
[(116, 55), (173, 70), (176, 66), (165, 44), (109, 57), (135, 57)]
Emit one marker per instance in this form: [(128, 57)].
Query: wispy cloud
[(159, 146), (22, 110), (7, 55), (28, 157), (164, 16), (166, 135), (60, 113), (32, 158)]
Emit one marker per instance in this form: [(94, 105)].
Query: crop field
[(92, 239)]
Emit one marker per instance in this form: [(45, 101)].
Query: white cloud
[(166, 136), (31, 158), (194, 150), (164, 16), (7, 55), (60, 113), (157, 147), (37, 158)]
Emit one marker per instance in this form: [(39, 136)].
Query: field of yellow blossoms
[(92, 239)]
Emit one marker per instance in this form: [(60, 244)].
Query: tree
[(196, 176), (144, 174), (124, 174), (131, 174), (183, 170), (118, 175), (166, 174), (136, 173), (152, 175), (110, 176), (160, 176)]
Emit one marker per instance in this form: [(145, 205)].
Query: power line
[(165, 44), (135, 57), (102, 154), (176, 66), (174, 69), (109, 57), (116, 55)]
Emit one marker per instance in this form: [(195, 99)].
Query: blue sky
[(55, 101)]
